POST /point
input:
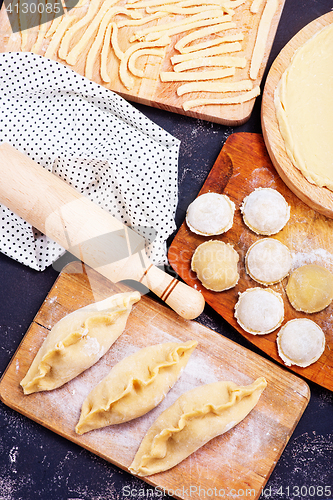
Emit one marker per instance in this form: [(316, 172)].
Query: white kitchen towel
[(94, 140)]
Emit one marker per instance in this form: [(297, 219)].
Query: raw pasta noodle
[(125, 77), (211, 51), (212, 43), (66, 22), (215, 87), (255, 6), (93, 51), (251, 94), (238, 62), (201, 33), (82, 23), (171, 76), (105, 53), (262, 34), (74, 53), (172, 28), (139, 53)]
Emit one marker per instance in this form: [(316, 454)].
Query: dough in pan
[(268, 261), (310, 288), (195, 418), (259, 311), (210, 214), (300, 342), (78, 341), (265, 211), (135, 385), (215, 263)]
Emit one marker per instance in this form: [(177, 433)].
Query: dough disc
[(265, 211), (215, 263), (304, 108), (259, 311), (268, 261), (300, 342), (210, 214), (310, 288)]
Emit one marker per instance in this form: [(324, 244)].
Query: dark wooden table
[(38, 464)]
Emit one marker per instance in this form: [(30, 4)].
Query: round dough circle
[(300, 342), (210, 214), (265, 211), (310, 288), (215, 263), (301, 114), (268, 261), (259, 311)]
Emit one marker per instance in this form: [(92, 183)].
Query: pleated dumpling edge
[(195, 418), (78, 341), (135, 385)]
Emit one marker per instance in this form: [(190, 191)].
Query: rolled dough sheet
[(304, 108)]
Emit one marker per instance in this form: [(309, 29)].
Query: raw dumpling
[(194, 419), (265, 211), (268, 261), (259, 311), (135, 385), (210, 214), (216, 265), (78, 341), (310, 288), (300, 342)]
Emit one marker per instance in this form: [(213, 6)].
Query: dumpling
[(78, 341), (210, 214), (310, 288), (265, 211), (259, 311), (194, 419), (135, 385), (268, 261), (216, 265), (300, 342)]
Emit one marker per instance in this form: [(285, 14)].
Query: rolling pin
[(86, 230)]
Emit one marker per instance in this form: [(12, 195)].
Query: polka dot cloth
[(95, 141)]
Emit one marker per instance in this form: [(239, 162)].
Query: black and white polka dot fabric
[(94, 140)]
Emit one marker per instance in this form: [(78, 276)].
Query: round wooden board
[(320, 199)]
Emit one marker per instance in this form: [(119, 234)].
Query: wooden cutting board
[(320, 199), (150, 90), (241, 459), (242, 166)]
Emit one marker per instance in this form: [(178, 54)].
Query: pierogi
[(78, 341), (195, 418), (135, 385)]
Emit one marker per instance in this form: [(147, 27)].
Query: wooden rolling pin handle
[(186, 301), (84, 229)]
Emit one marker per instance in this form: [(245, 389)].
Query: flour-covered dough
[(304, 108), (135, 385), (78, 341), (215, 263), (265, 211), (195, 418), (300, 342), (210, 214), (268, 261), (259, 310)]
